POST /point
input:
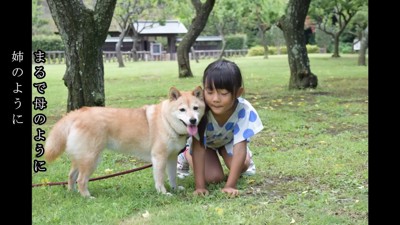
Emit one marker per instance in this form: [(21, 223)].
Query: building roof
[(205, 38), (115, 39), (198, 39), (153, 27)]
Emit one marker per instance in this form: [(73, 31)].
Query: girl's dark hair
[(220, 74), (223, 74)]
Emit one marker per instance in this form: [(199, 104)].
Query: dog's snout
[(193, 121)]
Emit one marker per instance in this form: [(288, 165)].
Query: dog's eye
[(182, 110), (195, 108)]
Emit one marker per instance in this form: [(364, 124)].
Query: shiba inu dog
[(155, 133)]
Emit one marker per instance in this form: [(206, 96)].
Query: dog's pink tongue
[(192, 130)]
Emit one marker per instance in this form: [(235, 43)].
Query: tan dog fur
[(154, 133)]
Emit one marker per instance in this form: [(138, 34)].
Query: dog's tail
[(57, 140)]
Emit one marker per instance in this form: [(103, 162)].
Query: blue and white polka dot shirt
[(243, 124)]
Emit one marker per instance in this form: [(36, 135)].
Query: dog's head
[(187, 108)]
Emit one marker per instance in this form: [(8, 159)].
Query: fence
[(58, 57)]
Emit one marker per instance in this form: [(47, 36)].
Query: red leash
[(96, 178)]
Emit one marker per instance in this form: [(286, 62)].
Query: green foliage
[(360, 20), (272, 50), (323, 39), (335, 17), (312, 49), (258, 18), (47, 43), (344, 47), (129, 11), (277, 50), (39, 25), (224, 19), (275, 37), (282, 49), (237, 41), (252, 39), (256, 51)]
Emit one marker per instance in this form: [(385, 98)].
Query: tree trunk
[(220, 28), (336, 46), (83, 32), (222, 53), (262, 31), (197, 26), (118, 48), (135, 38), (292, 25), (194, 54), (363, 48)]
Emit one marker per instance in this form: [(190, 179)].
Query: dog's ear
[(198, 92), (174, 93)]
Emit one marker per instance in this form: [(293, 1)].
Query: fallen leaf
[(251, 181), (108, 171), (146, 214), (44, 181), (219, 211)]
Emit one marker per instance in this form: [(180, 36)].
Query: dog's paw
[(168, 194), (161, 189)]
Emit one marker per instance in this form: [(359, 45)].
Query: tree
[(363, 48), (128, 12), (332, 17), (124, 11), (292, 25), (83, 32), (199, 21), (359, 28), (263, 14), (39, 24), (223, 16)]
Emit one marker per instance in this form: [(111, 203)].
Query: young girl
[(228, 124)]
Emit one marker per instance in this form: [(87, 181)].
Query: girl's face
[(220, 101)]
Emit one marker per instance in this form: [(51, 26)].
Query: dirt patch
[(276, 102), (319, 93), (344, 212), (344, 127), (273, 187), (343, 87)]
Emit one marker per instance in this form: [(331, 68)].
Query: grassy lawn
[(311, 157)]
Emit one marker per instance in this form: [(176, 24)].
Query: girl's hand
[(232, 192), (200, 192)]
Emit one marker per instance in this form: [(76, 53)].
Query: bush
[(256, 51), (312, 49), (237, 41), (272, 50), (344, 47), (279, 50), (283, 50), (47, 43)]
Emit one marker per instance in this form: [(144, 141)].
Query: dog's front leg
[(159, 164), (171, 171)]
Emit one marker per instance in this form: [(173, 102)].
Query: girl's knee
[(215, 177)]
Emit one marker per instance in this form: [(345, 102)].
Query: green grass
[(311, 157)]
